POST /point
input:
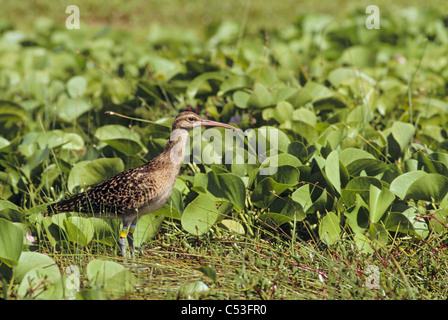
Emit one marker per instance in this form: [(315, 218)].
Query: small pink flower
[(30, 238), (400, 58)]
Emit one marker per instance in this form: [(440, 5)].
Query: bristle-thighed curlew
[(138, 191)]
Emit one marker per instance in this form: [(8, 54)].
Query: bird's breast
[(157, 202)]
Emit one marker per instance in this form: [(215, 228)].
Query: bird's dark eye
[(191, 119)]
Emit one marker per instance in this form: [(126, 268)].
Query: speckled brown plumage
[(121, 194), (138, 191)]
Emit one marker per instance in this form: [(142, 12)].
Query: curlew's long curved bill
[(211, 123)]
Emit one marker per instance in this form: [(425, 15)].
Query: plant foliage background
[(361, 119)]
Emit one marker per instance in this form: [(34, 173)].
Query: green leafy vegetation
[(357, 119)]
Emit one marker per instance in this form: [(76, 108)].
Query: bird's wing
[(119, 194)]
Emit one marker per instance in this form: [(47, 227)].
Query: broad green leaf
[(300, 98), (51, 139), (43, 280), (372, 167), (76, 86), (11, 242), (10, 211), (378, 233), (432, 187), (117, 90), (359, 186), (329, 228), (306, 116), (357, 160), (398, 137), (269, 138), (357, 56), (357, 218), (120, 138), (349, 155), (260, 97), (3, 143), (174, 207), (201, 81), (299, 150), (332, 170), (147, 228), (439, 222), (34, 161), (200, 215), (35, 83), (303, 196), (282, 159), (59, 219), (193, 290), (401, 184), (29, 261), (209, 272), (407, 221), (283, 111), (223, 186), (11, 111), (72, 108), (241, 98), (111, 277), (432, 164), (235, 82), (379, 201), (284, 174), (233, 226), (228, 186), (275, 219), (102, 231), (268, 189), (288, 207), (303, 129), (88, 173), (283, 94), (53, 232), (79, 230), (337, 76), (363, 243), (318, 91)]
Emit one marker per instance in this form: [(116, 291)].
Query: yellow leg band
[(122, 235)]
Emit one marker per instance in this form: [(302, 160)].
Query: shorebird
[(141, 190)]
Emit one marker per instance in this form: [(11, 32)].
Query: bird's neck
[(174, 152)]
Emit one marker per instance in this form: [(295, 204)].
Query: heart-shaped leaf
[(87, 173), (200, 215), (379, 201), (329, 228), (260, 97), (111, 277), (120, 138), (11, 242), (79, 230)]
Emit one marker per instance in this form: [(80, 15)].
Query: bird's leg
[(122, 239), (131, 237)]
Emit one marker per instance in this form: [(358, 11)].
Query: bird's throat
[(175, 147)]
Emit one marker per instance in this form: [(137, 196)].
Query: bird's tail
[(75, 203)]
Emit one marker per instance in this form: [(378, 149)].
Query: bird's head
[(188, 120)]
